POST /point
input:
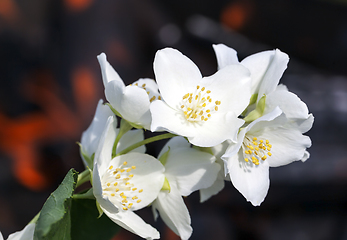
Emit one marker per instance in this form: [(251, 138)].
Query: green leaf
[(54, 220), (86, 224)]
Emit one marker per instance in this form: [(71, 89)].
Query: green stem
[(83, 177), (123, 129), (146, 141)]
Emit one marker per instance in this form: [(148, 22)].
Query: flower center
[(255, 149), (152, 95), (198, 106), (117, 185)]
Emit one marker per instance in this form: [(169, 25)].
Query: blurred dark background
[(51, 82)]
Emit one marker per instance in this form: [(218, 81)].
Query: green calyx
[(164, 156), (163, 160), (258, 111), (166, 185), (113, 110)]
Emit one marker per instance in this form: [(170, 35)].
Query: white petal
[(131, 102), (274, 119), (102, 200), (258, 64), (133, 223), (303, 124), (191, 169), (167, 118), (218, 151), (107, 71), (230, 85), (289, 103), (174, 212), (288, 145), (148, 176), (130, 138), (103, 154), (1, 237), (175, 74), (225, 55), (90, 137), (250, 180), (306, 156), (26, 234), (175, 142), (273, 73), (217, 186), (281, 87), (114, 93), (217, 129)]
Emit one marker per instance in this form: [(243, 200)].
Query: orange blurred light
[(23, 138), (78, 5), (8, 10), (236, 14), (85, 89)]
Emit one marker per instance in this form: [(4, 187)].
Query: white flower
[(186, 170), (269, 141), (266, 69), (131, 102), (26, 234), (125, 184), (204, 110), (91, 137)]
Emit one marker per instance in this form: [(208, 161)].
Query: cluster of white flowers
[(231, 126)]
